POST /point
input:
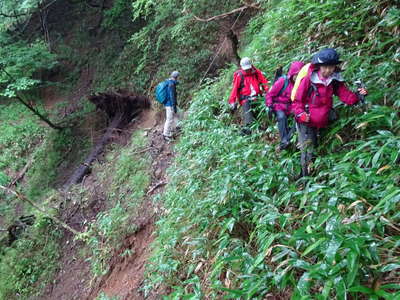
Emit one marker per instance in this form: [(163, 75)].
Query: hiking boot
[(245, 131), (284, 145), (168, 138)]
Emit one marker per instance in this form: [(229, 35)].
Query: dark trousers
[(308, 142), (247, 114), (283, 127)]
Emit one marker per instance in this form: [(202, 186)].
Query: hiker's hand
[(304, 117), (175, 109), (362, 91), (233, 106)]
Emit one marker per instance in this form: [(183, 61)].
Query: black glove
[(361, 99), (270, 112), (233, 106), (175, 109)]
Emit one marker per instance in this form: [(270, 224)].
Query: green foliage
[(103, 296), (19, 62), (173, 39), (4, 179), (14, 13), (131, 175), (20, 133), (120, 9), (239, 226), (51, 154), (29, 264)]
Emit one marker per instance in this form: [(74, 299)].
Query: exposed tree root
[(121, 107)]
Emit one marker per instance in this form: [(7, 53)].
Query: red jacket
[(242, 83), (320, 99), (283, 101)]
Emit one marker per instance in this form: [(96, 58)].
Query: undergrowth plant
[(172, 39), (103, 296), (241, 226), (25, 273), (20, 135)]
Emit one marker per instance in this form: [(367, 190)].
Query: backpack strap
[(313, 88), (285, 85), (335, 85), (241, 85)]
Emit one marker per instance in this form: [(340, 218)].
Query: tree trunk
[(84, 168), (234, 44)]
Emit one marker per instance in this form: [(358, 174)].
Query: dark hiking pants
[(307, 142), (284, 131), (248, 117)]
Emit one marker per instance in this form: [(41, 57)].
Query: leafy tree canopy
[(20, 60), (14, 12)]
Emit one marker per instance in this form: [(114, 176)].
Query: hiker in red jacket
[(278, 101), (313, 100), (248, 83)]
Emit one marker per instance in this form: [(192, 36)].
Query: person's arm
[(345, 95), (172, 94), (262, 80), (235, 89), (278, 85)]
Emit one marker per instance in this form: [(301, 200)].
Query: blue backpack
[(161, 92)]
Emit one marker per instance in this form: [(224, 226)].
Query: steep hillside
[(230, 219), (239, 224), (53, 55)]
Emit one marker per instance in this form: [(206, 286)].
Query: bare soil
[(126, 273)]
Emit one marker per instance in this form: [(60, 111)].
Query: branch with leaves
[(5, 15), (224, 15), (27, 105), (42, 210)]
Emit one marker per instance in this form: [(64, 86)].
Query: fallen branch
[(84, 168), (21, 174), (224, 15), (142, 151), (5, 15), (156, 187), (33, 204)]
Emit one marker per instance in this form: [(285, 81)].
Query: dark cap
[(327, 56)]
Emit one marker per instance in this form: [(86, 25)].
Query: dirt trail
[(126, 273)]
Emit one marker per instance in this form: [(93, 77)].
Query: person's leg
[(176, 122), (248, 117), (169, 120), (307, 142), (283, 128), (292, 128)]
